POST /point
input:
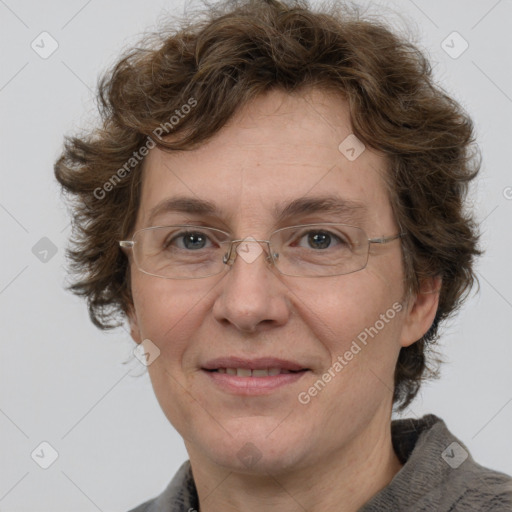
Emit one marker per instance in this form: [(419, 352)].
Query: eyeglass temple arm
[(385, 239)]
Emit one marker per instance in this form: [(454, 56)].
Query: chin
[(256, 459), (256, 447)]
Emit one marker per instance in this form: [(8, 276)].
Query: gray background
[(64, 382)]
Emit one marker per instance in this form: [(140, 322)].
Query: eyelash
[(296, 237)]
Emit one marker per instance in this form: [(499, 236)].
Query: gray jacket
[(439, 475)]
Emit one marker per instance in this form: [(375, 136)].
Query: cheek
[(357, 319), (358, 322), (166, 313)]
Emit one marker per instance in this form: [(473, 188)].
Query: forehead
[(277, 152)]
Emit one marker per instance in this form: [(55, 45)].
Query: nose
[(252, 295)]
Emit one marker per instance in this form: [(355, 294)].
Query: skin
[(335, 452)]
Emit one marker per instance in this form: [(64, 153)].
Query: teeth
[(247, 372)]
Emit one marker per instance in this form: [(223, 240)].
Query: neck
[(343, 481)]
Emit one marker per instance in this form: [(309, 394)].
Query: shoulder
[(439, 473), (179, 496), (485, 489), (144, 507), (463, 485)]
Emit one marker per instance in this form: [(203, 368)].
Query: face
[(277, 149)]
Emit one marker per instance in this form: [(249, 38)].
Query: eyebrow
[(183, 205), (334, 205), (330, 204)]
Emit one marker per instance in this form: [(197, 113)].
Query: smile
[(247, 372), (247, 382)]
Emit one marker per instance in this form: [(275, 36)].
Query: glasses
[(308, 250)]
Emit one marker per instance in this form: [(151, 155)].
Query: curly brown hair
[(226, 55)]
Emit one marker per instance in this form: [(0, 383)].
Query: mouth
[(257, 373), (253, 377)]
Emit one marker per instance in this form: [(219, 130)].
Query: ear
[(420, 311), (134, 326)]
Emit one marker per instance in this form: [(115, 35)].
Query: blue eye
[(189, 240), (321, 239)]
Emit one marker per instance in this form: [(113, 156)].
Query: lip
[(259, 363), (252, 386)]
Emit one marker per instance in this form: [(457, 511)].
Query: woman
[(275, 202)]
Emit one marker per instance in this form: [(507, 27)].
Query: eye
[(321, 239), (188, 240)]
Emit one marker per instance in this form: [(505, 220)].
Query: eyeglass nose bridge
[(230, 256)]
